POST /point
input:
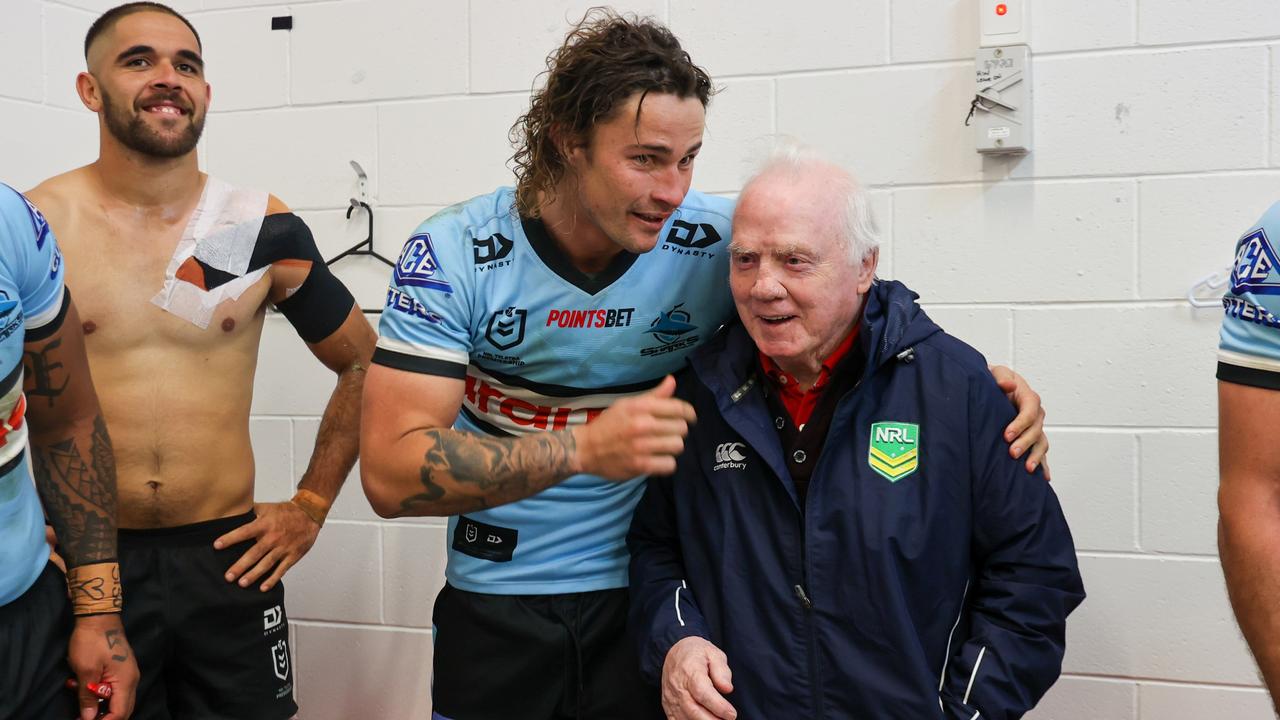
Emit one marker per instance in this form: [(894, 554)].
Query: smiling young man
[(512, 320), (173, 271)]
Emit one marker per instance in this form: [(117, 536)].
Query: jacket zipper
[(807, 605)]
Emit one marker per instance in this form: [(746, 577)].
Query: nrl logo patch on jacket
[(895, 449)]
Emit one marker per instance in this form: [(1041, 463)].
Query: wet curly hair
[(605, 59)]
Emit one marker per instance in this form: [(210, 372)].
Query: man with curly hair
[(522, 382)]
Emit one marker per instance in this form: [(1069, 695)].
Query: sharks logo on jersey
[(10, 316), (673, 329), (1255, 266)]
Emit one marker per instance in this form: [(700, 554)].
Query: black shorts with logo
[(537, 657), (206, 648), (34, 631)]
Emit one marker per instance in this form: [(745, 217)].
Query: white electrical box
[(1001, 109), (1003, 22)]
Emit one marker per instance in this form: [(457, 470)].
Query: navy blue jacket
[(941, 594)]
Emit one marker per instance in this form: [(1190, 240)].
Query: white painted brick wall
[(1155, 146)]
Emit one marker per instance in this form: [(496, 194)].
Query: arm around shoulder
[(1028, 580)]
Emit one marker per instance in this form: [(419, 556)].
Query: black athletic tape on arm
[(322, 303)]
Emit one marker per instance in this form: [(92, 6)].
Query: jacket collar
[(892, 323)]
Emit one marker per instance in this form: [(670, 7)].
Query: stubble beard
[(134, 133)]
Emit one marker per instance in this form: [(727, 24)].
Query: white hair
[(858, 231)]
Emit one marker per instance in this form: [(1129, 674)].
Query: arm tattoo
[(486, 471), (40, 370), (79, 493)]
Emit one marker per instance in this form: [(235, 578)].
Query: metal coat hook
[(1212, 281), (363, 178), (365, 246)]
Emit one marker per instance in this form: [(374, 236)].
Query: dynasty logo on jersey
[(688, 238), (488, 253)]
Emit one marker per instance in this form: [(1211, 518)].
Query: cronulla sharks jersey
[(1249, 343), (31, 303), (482, 295)]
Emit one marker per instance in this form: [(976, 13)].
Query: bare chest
[(116, 271)]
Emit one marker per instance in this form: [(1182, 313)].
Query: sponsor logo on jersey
[(605, 318), (1244, 310), (1255, 266), (895, 449), (409, 305), (729, 457), (673, 330), (482, 540), (506, 328), (691, 239), (491, 252), (419, 266), (514, 360), (489, 400), (10, 316), (38, 223), (55, 263)]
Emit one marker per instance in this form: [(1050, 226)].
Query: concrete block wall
[(1156, 144)]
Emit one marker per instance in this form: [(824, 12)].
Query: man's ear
[(867, 271), (571, 146), (89, 92)]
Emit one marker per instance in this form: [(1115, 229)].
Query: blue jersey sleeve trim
[(48, 329), (1253, 377), (419, 364)]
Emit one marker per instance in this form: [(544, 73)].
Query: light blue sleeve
[(426, 325), (1249, 343), (32, 257)]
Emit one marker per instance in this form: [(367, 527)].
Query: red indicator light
[(1001, 9)]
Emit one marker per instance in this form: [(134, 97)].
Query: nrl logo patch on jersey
[(419, 266), (1255, 266), (895, 449)]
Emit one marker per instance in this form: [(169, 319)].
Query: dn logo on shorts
[(271, 617)]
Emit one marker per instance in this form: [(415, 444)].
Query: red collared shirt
[(800, 403)]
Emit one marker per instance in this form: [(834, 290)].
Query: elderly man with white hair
[(845, 534)]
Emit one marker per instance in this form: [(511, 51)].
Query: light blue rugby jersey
[(31, 301), (1249, 343), (480, 295)]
